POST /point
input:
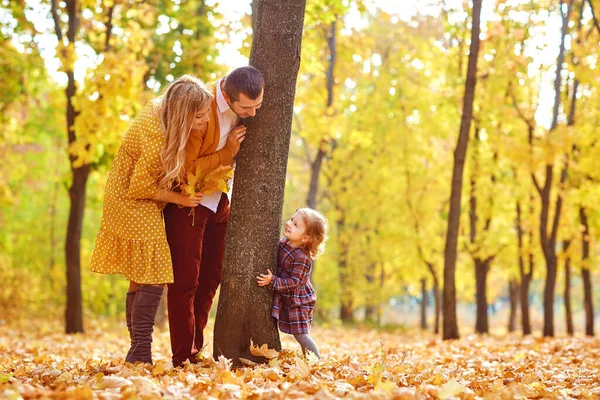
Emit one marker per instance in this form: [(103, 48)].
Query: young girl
[(132, 239), (294, 299)]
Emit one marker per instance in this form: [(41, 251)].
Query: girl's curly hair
[(316, 228)]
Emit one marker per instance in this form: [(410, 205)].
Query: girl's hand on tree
[(264, 279), (186, 201)]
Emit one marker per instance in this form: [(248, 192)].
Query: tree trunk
[(52, 217), (513, 295), (423, 303), (548, 240), (372, 290), (525, 276), (316, 164), (244, 310), (482, 266), (567, 293), (450, 328), (345, 275), (481, 273), (588, 303), (437, 296), (77, 195)]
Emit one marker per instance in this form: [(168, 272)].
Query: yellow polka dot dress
[(132, 239)]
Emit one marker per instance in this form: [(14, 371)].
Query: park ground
[(39, 361)]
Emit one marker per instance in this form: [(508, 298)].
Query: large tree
[(244, 310), (450, 325)]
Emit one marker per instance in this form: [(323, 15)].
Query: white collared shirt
[(227, 121)]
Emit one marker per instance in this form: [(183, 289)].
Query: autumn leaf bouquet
[(207, 182)]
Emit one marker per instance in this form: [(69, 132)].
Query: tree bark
[(244, 310), (588, 302), (253, 16), (450, 324), (423, 303), (513, 295), (567, 292)]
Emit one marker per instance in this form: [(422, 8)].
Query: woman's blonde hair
[(316, 227), (176, 111)]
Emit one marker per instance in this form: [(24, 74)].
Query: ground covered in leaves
[(357, 363)]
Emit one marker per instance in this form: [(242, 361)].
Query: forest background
[(376, 120)]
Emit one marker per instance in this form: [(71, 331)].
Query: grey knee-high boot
[(128, 306), (143, 313)]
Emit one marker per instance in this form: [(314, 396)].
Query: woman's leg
[(307, 343), (143, 313), (129, 298)]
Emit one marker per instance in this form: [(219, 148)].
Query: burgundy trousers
[(197, 244)]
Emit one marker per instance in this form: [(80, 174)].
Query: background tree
[(450, 325)]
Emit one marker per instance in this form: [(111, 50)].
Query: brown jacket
[(201, 148)]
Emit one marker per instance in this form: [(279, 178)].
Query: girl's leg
[(307, 343), (143, 313)]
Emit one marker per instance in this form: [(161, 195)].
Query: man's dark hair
[(247, 80)]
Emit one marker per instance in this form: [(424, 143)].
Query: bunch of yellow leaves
[(208, 182)]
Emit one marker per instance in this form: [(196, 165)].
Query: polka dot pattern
[(132, 239)]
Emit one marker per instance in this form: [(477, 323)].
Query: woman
[(149, 164)]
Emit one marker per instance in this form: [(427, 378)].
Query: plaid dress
[(295, 298)]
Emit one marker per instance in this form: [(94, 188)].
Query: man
[(197, 239)]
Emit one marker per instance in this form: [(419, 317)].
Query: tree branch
[(596, 24), (536, 184), (57, 30), (109, 26)]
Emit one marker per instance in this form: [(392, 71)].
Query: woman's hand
[(192, 202), (264, 280)]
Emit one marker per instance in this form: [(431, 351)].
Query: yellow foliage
[(207, 182)]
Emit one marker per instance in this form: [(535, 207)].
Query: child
[(294, 300)]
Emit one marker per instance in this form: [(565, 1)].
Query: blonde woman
[(150, 163)]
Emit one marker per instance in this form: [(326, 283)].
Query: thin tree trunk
[(372, 298), (567, 292), (481, 273), (317, 163), (347, 295), (423, 303), (513, 295), (525, 276), (548, 240), (244, 309), (437, 295), (450, 323), (53, 242), (77, 196), (588, 303), (482, 266)]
